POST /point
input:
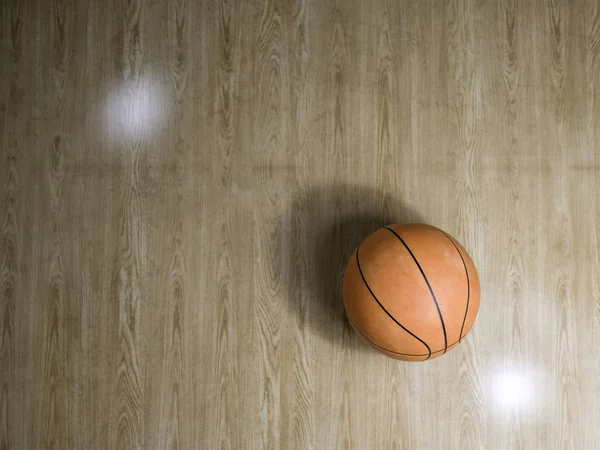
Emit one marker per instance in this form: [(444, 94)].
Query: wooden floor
[(182, 183)]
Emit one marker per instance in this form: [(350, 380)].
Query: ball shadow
[(328, 224)]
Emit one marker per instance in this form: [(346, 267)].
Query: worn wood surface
[(182, 182)]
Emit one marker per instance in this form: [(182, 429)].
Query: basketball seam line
[(392, 351), (428, 285), (468, 287), (385, 310)]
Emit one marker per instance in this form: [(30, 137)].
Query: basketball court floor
[(183, 182)]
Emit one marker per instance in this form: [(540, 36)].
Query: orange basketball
[(411, 291)]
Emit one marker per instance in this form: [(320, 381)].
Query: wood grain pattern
[(270, 218), (301, 397), (336, 98), (55, 338), (10, 247), (182, 183), (173, 359), (9, 290), (591, 133), (128, 286)]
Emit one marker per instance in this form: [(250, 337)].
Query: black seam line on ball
[(428, 285), (468, 286), (385, 310), (392, 351)]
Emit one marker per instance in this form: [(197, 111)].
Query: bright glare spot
[(136, 111), (514, 389)]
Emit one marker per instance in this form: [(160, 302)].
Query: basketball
[(411, 291)]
